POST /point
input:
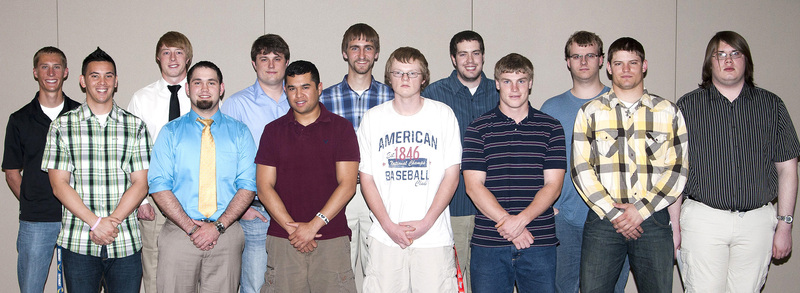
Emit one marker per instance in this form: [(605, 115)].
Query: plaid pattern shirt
[(639, 158), (343, 101), (100, 160)]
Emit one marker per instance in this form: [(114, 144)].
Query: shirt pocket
[(607, 142), (655, 144)]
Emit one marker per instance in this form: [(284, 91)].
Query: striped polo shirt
[(514, 157)]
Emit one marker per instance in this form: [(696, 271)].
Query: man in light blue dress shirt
[(198, 249)]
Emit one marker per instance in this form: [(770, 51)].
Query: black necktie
[(174, 105)]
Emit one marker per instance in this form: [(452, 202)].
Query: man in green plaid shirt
[(97, 158)]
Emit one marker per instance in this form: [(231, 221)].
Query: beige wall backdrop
[(674, 34)]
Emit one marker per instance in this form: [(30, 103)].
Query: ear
[(644, 66), (608, 67), (497, 84), (82, 81), (66, 73), (453, 60), (344, 55), (221, 89), (254, 65), (319, 88), (35, 74)]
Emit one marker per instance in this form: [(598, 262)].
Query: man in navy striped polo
[(743, 154), (470, 94), (514, 163)]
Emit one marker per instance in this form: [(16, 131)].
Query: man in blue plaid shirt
[(351, 98)]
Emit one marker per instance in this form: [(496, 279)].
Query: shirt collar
[(347, 85), (325, 116), (611, 101), (503, 117), (162, 84), (192, 116), (85, 113), (260, 92), (481, 86), (744, 93)]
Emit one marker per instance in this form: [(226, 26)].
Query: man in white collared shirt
[(157, 104)]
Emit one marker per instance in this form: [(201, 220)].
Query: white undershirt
[(102, 119), (52, 112), (472, 90), (360, 92)]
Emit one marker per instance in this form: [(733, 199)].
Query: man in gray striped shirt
[(743, 154)]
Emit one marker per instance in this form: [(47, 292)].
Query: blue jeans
[(254, 256), (568, 264), (496, 269), (86, 273), (35, 244), (604, 251)]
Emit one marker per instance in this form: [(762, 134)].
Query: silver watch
[(788, 219)]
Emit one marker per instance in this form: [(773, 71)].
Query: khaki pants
[(462, 235), (326, 269), (393, 269), (358, 220), (150, 231), (182, 267), (724, 251)]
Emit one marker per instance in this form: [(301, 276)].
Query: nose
[(584, 59), (51, 71), (360, 54), (405, 76)]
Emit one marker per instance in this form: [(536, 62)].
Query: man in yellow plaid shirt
[(629, 164)]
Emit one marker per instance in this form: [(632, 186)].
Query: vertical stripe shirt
[(466, 107), (638, 158), (735, 146), (101, 160), (345, 102), (514, 157)]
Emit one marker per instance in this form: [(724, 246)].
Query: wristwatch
[(788, 219), (220, 227)]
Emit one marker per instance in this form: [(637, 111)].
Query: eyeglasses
[(723, 55), (411, 75), (590, 56)]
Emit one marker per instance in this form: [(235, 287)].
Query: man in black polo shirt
[(40, 211), (742, 155)]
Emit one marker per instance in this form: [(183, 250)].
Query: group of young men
[(462, 171)]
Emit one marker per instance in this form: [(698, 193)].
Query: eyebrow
[(200, 79)]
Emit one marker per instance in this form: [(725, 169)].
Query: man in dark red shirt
[(307, 165)]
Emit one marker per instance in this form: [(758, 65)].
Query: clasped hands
[(513, 228), (205, 236), (404, 233), (106, 231), (629, 223)]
